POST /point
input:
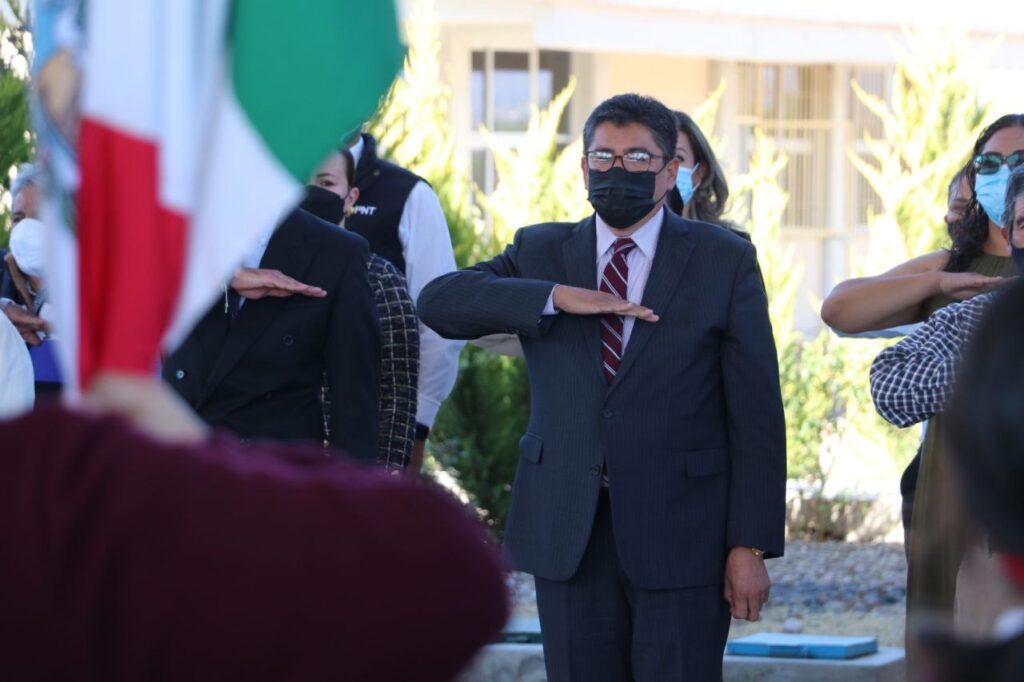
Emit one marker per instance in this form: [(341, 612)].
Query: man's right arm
[(913, 380), (489, 298), (493, 298)]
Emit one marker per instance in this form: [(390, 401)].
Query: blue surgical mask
[(991, 191), (684, 182)]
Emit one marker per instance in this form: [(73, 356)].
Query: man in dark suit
[(256, 367), (651, 480)]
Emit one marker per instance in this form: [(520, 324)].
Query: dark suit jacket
[(7, 287), (691, 429), (124, 558), (261, 375)]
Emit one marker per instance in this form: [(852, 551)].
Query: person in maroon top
[(136, 545)]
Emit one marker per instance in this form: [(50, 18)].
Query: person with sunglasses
[(976, 262)]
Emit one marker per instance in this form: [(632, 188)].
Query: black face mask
[(324, 204), (1018, 257), (621, 198)]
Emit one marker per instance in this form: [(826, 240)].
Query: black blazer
[(691, 429), (260, 376)]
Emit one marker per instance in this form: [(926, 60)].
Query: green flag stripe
[(307, 72)]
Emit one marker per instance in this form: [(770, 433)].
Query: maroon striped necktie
[(614, 281)]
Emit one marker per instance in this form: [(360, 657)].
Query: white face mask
[(28, 246)]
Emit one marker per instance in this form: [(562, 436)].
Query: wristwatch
[(759, 553)]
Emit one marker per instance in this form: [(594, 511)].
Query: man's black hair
[(621, 110)]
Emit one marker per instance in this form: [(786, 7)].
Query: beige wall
[(679, 82)]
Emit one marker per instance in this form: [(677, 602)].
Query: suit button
[(607, 414), (179, 375), (595, 470), (288, 340)]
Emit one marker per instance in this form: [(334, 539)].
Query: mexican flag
[(200, 121)]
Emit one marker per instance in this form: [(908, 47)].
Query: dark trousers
[(598, 627)]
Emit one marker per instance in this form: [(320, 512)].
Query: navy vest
[(383, 191)]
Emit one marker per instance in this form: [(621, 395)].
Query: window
[(865, 201), (505, 87), (510, 102), (793, 105)]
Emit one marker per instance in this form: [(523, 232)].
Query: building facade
[(787, 66)]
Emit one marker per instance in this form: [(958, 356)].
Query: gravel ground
[(818, 587)]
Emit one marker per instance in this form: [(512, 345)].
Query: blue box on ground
[(802, 646), (520, 631)]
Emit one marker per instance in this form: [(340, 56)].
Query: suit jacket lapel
[(670, 260), (291, 250), (579, 255)]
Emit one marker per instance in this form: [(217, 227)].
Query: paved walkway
[(823, 588)]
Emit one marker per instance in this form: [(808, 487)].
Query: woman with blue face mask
[(701, 191), (976, 261)]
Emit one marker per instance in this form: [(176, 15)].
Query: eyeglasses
[(633, 162), (988, 164)]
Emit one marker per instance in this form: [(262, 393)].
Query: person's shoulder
[(974, 308), (732, 227), (716, 236), (399, 173), (386, 274), (929, 262), (325, 234), (964, 315), (553, 231)]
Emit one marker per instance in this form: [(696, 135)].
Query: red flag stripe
[(132, 248)]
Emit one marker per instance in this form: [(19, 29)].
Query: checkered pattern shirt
[(913, 380), (400, 365)]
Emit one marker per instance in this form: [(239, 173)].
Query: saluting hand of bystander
[(257, 283)]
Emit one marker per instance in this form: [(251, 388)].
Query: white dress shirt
[(17, 381), (427, 249), (639, 262), (252, 260)]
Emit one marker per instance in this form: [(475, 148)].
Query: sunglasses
[(989, 164)]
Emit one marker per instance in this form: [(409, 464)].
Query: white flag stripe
[(214, 168), (235, 158), (62, 287), (121, 66)]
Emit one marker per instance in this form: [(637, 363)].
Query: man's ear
[(350, 200), (586, 172), (673, 169)]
